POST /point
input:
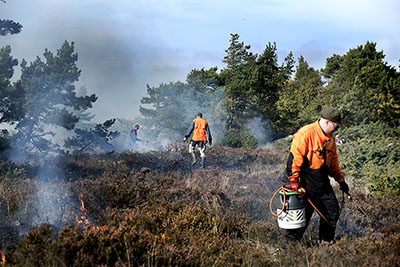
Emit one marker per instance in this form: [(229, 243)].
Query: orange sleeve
[(299, 150)]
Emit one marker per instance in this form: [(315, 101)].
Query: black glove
[(210, 141), (344, 187)]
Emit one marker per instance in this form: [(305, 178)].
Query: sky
[(124, 45)]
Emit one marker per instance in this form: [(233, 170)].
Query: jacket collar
[(320, 132)]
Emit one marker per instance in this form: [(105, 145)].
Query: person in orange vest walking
[(199, 130)]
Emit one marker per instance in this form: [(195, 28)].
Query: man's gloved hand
[(344, 187), (210, 142), (301, 192), (294, 186)]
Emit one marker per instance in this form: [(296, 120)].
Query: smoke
[(124, 143), (146, 142), (260, 129), (52, 201), (39, 139), (212, 109), (180, 117)]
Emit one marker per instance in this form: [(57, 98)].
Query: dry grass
[(152, 209)]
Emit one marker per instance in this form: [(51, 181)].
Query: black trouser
[(202, 147), (327, 204)]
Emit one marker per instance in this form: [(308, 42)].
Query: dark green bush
[(240, 138), (372, 156)]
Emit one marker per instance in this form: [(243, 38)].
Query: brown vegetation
[(152, 209)]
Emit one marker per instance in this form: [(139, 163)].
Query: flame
[(3, 258), (82, 219), (164, 237), (82, 203)]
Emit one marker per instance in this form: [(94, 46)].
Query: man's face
[(333, 126)]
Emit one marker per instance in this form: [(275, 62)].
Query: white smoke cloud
[(124, 46), (259, 128)]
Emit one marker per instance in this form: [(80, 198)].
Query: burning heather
[(3, 258), (82, 218), (154, 209)]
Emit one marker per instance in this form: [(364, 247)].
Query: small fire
[(3, 258), (164, 237), (82, 203), (82, 219)]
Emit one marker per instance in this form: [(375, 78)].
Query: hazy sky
[(125, 44)]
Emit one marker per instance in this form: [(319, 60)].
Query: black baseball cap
[(332, 114)]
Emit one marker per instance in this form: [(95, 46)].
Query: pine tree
[(9, 26), (363, 86), (49, 99), (236, 77)]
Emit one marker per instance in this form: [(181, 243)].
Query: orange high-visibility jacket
[(199, 131), (313, 158)]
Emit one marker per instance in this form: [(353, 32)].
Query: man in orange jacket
[(312, 159), (199, 130)]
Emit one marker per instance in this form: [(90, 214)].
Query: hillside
[(152, 209)]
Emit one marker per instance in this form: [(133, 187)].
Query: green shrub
[(371, 156), (240, 138)]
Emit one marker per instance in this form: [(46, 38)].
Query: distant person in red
[(199, 130), (133, 136)]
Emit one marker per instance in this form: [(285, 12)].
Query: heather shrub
[(14, 194), (245, 158), (167, 234), (91, 167), (157, 210), (12, 170), (366, 251)]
